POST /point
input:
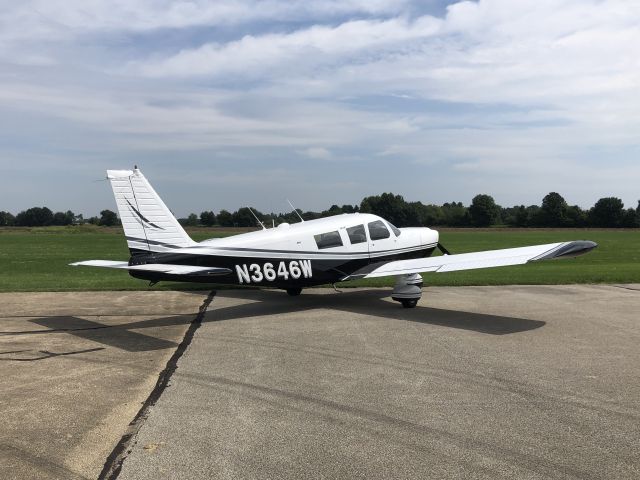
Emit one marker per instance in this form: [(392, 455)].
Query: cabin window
[(357, 234), (396, 231), (328, 240), (378, 230)]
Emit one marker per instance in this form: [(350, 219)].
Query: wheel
[(409, 302), (294, 292)]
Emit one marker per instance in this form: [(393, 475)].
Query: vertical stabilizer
[(148, 224)]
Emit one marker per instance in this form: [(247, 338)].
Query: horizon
[(321, 210)]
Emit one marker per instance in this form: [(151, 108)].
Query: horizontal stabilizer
[(470, 261), (156, 267)]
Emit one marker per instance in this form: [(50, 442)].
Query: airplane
[(291, 257)]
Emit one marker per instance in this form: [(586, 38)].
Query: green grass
[(37, 259)]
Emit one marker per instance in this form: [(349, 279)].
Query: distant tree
[(6, 219), (34, 217), (269, 219), (311, 215), (63, 218), (390, 207), (630, 219), (554, 210), (78, 219), (607, 212), (190, 221), (509, 215), (456, 215), (421, 215), (93, 220), (349, 208), (225, 219), (244, 218), (289, 217), (534, 213), (108, 218), (208, 219), (519, 217), (576, 217), (483, 211)]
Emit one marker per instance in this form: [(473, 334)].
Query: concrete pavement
[(74, 371), (477, 382)]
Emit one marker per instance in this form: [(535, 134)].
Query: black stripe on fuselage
[(324, 270), (296, 253)]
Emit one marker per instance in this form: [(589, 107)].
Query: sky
[(224, 104)]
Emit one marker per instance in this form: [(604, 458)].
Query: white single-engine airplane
[(292, 257)]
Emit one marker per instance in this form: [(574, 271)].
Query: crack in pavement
[(123, 448), (624, 287)]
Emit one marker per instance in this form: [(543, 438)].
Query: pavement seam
[(123, 448), (624, 287)]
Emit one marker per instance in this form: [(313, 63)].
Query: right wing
[(156, 267), (470, 261)]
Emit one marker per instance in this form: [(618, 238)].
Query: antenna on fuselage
[(257, 219), (295, 210)]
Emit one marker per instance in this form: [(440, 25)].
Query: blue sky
[(224, 104)]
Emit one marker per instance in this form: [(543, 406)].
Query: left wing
[(470, 261), (156, 267)]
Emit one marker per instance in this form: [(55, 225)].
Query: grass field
[(37, 259)]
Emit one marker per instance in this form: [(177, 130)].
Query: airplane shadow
[(262, 303), (368, 302)]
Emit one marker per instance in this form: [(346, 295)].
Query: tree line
[(44, 217), (554, 212)]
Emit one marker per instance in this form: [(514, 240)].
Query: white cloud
[(319, 153), (577, 59), (311, 47)]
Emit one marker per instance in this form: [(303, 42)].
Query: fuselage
[(303, 254)]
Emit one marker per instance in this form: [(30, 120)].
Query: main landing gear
[(407, 290), (294, 292)]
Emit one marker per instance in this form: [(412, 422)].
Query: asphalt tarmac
[(476, 382)]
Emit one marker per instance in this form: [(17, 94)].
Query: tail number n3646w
[(256, 273)]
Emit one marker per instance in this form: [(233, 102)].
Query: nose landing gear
[(407, 290)]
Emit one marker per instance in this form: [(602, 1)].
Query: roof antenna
[(295, 210), (257, 219)]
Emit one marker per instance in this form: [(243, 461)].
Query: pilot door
[(381, 240)]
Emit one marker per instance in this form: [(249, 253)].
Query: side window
[(328, 240), (357, 234), (396, 231), (378, 230)]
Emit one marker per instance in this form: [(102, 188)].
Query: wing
[(156, 267), (470, 261)]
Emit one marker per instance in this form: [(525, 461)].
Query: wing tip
[(568, 250)]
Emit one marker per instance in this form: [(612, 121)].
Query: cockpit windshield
[(396, 231), (378, 230)]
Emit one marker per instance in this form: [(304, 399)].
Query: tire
[(294, 292), (409, 302)]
